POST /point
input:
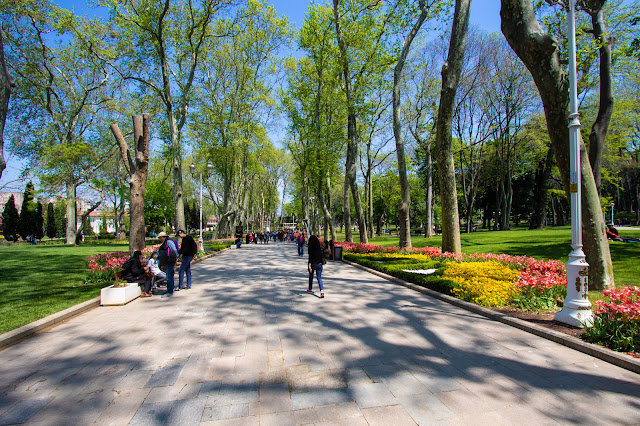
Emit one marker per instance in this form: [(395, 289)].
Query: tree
[(540, 53), (61, 218), (39, 221), (86, 228), (138, 171), (158, 203), (162, 45), (51, 221), (235, 104), (403, 208), (360, 32), (451, 71), (6, 83), (61, 85), (421, 110), (27, 221), (10, 220)]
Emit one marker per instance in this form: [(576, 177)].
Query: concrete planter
[(119, 295)]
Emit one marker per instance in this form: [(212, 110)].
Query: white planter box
[(119, 295)]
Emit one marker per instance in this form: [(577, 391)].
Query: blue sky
[(484, 14)]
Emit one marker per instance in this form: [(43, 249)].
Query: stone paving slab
[(248, 346)]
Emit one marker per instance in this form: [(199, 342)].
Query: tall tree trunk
[(138, 171), (405, 190), (72, 211), (540, 191), (605, 109), (6, 83), (346, 210), (178, 189), (352, 129), (451, 71), (329, 203), (429, 196), (325, 203), (539, 52)]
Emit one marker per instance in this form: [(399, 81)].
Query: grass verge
[(37, 281)]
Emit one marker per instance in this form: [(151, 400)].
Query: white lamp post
[(193, 170), (576, 310)]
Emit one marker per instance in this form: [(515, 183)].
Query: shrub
[(397, 265), (484, 283), (617, 320)]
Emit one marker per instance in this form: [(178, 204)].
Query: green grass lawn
[(36, 281), (549, 243)]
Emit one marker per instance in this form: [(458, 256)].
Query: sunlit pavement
[(248, 345)]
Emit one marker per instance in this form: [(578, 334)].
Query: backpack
[(165, 255)]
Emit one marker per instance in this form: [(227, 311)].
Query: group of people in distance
[(162, 264)]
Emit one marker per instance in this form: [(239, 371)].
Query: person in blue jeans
[(188, 249), (167, 256), (316, 260), (300, 241)]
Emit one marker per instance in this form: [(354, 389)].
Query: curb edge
[(596, 351)]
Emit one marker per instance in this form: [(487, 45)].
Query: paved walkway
[(248, 346)]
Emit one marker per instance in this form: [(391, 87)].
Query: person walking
[(300, 241), (167, 256), (188, 249), (316, 260)]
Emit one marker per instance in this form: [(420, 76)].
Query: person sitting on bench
[(134, 272)]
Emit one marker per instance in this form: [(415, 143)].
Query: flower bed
[(531, 285), (103, 267), (617, 320)]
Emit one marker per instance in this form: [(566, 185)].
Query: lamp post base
[(575, 317), (576, 310)]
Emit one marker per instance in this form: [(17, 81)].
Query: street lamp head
[(209, 168), (193, 168)]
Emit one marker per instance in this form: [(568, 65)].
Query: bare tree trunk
[(72, 211), (138, 172), (539, 52), (6, 83), (177, 172), (451, 71), (325, 203), (346, 210), (405, 191), (429, 196), (540, 191), (352, 129), (601, 125)]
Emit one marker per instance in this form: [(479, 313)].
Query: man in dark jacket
[(188, 249), (168, 254)]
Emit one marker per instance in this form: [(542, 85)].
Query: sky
[(484, 14)]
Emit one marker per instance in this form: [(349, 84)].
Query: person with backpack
[(300, 243), (316, 260), (188, 249), (167, 257)]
